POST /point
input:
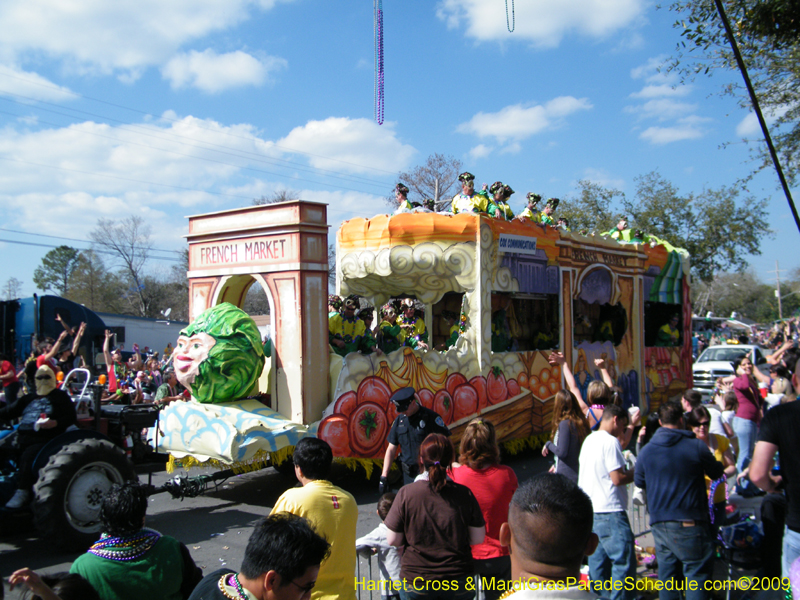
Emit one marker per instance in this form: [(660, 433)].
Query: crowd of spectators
[(460, 513)]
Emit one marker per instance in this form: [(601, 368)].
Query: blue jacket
[(671, 468)]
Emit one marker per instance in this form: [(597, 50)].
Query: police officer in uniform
[(412, 425)]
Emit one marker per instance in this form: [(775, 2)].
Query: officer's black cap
[(403, 397)]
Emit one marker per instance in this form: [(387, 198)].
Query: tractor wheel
[(70, 490)]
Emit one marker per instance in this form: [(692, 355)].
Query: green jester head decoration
[(219, 356)]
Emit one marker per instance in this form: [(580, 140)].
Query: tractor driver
[(43, 416), (413, 424)]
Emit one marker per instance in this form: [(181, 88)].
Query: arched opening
[(599, 316), (257, 302)]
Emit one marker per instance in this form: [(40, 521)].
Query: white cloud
[(96, 170), (658, 102), (658, 83), (513, 148), (750, 126), (661, 90), (518, 122), (604, 178), (688, 128), (480, 151), (16, 83), (344, 144), (542, 22), (122, 36), (662, 109), (212, 72), (178, 165)]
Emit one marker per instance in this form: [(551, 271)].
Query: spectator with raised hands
[(48, 350), (599, 394), (66, 359)]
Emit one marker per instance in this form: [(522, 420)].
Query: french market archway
[(284, 248)]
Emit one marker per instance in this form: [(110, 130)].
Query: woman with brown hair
[(698, 421), (436, 521), (493, 485), (569, 429)]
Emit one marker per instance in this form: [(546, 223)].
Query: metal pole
[(757, 108), (778, 277)]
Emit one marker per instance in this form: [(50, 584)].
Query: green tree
[(56, 269), (93, 285), (717, 227), (595, 209), (766, 33)]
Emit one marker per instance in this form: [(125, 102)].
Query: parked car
[(716, 362)]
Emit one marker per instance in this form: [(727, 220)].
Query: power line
[(58, 237), (21, 243)]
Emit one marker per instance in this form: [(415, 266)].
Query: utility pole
[(778, 289)]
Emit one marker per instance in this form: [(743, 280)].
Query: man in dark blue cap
[(412, 425)]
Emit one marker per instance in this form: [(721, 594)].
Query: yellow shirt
[(527, 213), (333, 512), (468, 204), (719, 451)]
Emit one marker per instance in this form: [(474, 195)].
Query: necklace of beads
[(231, 580), (711, 490), (126, 547)]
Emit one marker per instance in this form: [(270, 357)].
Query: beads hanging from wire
[(378, 92), (513, 17)]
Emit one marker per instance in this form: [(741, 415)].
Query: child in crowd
[(731, 404), (388, 556)]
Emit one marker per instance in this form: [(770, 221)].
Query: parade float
[(522, 290)]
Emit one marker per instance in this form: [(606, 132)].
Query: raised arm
[(54, 350), (556, 358), (775, 357), (600, 363), (760, 376), (107, 348), (65, 325), (137, 356), (77, 342)]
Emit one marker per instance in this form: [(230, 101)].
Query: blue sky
[(165, 109)]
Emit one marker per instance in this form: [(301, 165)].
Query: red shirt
[(493, 488), (5, 368), (40, 360), (749, 398)]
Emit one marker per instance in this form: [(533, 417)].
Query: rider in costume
[(549, 209), (334, 305), (668, 334), (368, 343), (452, 322), (345, 330), (388, 330), (618, 233), (498, 205), (468, 201), (531, 211), (413, 332), (563, 223), (401, 195)]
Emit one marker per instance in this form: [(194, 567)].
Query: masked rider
[(43, 416)]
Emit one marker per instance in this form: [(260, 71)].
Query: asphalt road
[(216, 526)]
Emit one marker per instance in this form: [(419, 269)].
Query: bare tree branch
[(128, 241)]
